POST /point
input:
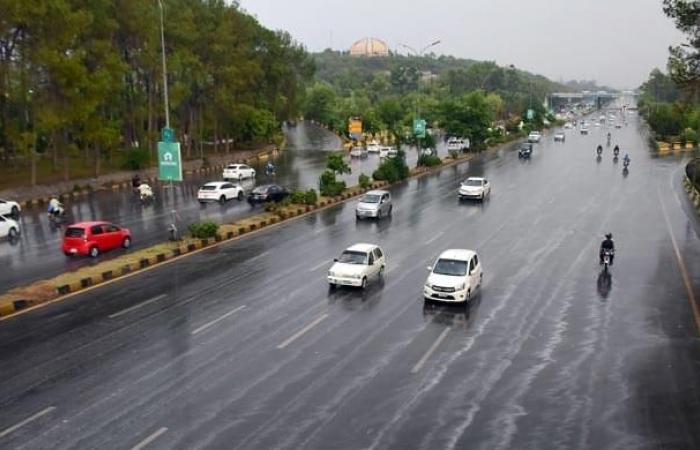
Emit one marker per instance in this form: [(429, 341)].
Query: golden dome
[(369, 47)]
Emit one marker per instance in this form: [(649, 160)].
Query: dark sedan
[(525, 150), (268, 193)]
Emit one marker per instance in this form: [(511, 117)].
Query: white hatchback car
[(219, 191), (238, 172), (9, 208), (455, 277), (376, 204), (9, 228), (534, 136), (387, 152), (474, 188), (357, 266)]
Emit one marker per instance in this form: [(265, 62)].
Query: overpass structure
[(595, 98)]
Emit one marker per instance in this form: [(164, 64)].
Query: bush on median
[(330, 187), (429, 160), (393, 169), (365, 182), (204, 230)]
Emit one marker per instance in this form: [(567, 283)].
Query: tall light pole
[(165, 69), (420, 55)]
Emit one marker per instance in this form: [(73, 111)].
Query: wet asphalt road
[(37, 255), (243, 346)]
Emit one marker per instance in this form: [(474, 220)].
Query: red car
[(93, 238)]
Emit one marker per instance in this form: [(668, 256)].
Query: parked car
[(559, 137), (9, 227), (93, 238), (268, 193), (525, 150), (357, 265), (238, 171), (373, 147), (9, 208), (388, 152), (375, 204), (534, 136), (219, 191), (455, 276), (358, 152), (474, 188), (458, 144)]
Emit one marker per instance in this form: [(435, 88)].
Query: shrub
[(136, 159), (310, 197), (365, 181), (454, 154), (297, 197), (392, 170), (329, 185), (204, 230), (689, 135), (429, 160)]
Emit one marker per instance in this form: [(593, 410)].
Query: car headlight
[(427, 285), (357, 277), (331, 273), (462, 287)]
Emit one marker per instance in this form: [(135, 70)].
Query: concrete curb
[(11, 303)]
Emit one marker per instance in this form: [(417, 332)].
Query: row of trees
[(84, 79), (671, 102)]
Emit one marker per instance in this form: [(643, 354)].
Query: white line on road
[(26, 421), (318, 266), (135, 307), (208, 324), (431, 350), (303, 331), (261, 255), (143, 444), (435, 237)]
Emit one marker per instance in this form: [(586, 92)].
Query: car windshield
[(353, 257), (472, 183), (73, 232), (450, 267), (370, 198)]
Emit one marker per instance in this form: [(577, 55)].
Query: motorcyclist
[(599, 150), (609, 245), (55, 207), (609, 138), (616, 150), (135, 181), (269, 168), (145, 191), (626, 160)]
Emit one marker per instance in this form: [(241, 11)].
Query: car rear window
[(208, 188), (72, 232)]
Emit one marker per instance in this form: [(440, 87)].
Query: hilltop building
[(369, 47)]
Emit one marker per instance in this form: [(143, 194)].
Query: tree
[(684, 60)]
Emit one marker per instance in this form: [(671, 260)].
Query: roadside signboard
[(355, 128), (419, 126), (169, 161), (530, 114)]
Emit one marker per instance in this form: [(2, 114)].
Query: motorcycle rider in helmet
[(270, 168), (607, 244), (599, 150)]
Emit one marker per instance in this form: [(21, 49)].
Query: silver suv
[(375, 204)]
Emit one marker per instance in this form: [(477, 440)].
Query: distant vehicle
[(238, 171), (474, 188), (455, 276), (357, 265), (358, 152), (568, 125), (93, 238), (268, 193), (525, 150), (9, 227), (219, 191), (388, 152), (559, 137), (584, 129), (9, 208), (376, 204), (373, 147), (428, 152), (618, 125), (534, 136), (458, 144)]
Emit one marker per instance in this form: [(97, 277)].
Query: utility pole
[(165, 69)]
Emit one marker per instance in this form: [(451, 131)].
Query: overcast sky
[(616, 42)]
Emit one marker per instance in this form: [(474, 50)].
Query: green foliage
[(393, 169), (684, 59), (336, 163), (203, 230), (468, 116), (297, 197), (310, 197), (329, 185), (136, 159), (689, 135), (365, 181), (429, 160), (454, 154)]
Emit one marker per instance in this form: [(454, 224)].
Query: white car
[(9, 228), (9, 208), (568, 125), (375, 204), (534, 136), (358, 152), (388, 152), (219, 191), (458, 144), (373, 147), (357, 266), (559, 136), (455, 276), (474, 188), (238, 172)]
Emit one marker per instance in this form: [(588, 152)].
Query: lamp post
[(165, 69), (420, 55)]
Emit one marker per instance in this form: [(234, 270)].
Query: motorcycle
[(607, 258), (56, 214), (145, 193), (270, 171), (616, 151), (599, 150)]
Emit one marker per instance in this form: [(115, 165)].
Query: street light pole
[(165, 70)]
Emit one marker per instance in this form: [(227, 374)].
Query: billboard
[(355, 128)]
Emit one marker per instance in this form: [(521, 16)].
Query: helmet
[(608, 236)]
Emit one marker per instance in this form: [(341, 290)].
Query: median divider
[(25, 297)]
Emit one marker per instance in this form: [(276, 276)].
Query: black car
[(525, 150), (268, 193)]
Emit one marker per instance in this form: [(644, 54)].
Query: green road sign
[(169, 161), (167, 134), (419, 128), (530, 114)]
